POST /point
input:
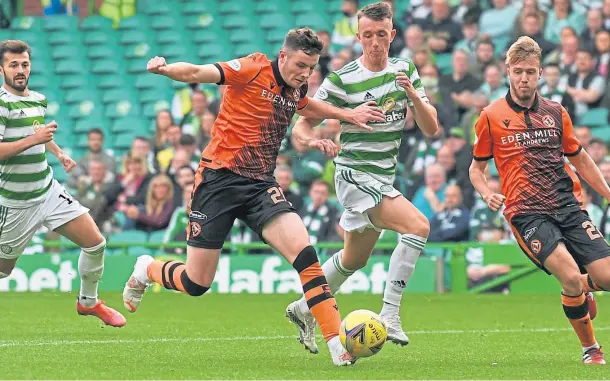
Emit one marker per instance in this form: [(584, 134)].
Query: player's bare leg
[(399, 215), (84, 232), (561, 264), (193, 278), (596, 279), (287, 235)]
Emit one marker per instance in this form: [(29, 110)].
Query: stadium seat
[(60, 22), (195, 7), (443, 62), (85, 109), (243, 50), (594, 117), (100, 38), (97, 23), (63, 37), (31, 37), (110, 81), (97, 52), (127, 237), (238, 36), (128, 124), (157, 237), (275, 36), (122, 109), (137, 66), (262, 7), (204, 20), (148, 81), (233, 7), (137, 22), (75, 81), (7, 34), (41, 82), (130, 37), (124, 140), (275, 21), (151, 109), (71, 66), (172, 37), (172, 51), (165, 22), (203, 36), (86, 124), (66, 52), (312, 20), (107, 66), (119, 94), (27, 23), (140, 50), (155, 7), (602, 132), (299, 7), (152, 95), (211, 50), (82, 94)]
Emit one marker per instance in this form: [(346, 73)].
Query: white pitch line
[(39, 343)]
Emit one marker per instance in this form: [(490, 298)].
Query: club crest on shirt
[(548, 121), (36, 125)]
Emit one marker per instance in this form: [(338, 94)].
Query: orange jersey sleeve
[(303, 98), (569, 142), (240, 71), (483, 143)]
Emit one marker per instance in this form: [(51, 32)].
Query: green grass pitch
[(248, 337)]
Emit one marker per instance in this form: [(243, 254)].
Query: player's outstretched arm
[(360, 116), (40, 136), (184, 71), (589, 171), (479, 182)]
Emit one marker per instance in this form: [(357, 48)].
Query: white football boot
[(137, 284), (340, 356), (394, 328), (306, 325)]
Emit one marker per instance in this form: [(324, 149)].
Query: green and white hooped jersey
[(373, 152), (26, 177)]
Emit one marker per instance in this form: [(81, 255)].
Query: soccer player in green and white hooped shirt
[(366, 168), (29, 195)]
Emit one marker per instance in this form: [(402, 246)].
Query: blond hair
[(154, 206), (524, 48)]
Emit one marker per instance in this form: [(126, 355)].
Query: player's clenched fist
[(157, 65), (45, 133), (494, 201)]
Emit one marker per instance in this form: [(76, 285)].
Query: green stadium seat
[(203, 36), (60, 22), (65, 38), (107, 66), (60, 174), (275, 21), (211, 50), (122, 109), (148, 81), (202, 21), (232, 7), (172, 37), (137, 22), (195, 7), (100, 38), (151, 109), (31, 37), (128, 124), (312, 20), (85, 109), (298, 7), (594, 117), (120, 94), (443, 62), (157, 237), (52, 159), (137, 66), (71, 66), (124, 140), (86, 124), (6, 34), (238, 36), (97, 52), (164, 22), (333, 5), (66, 52), (62, 141), (236, 21), (268, 7), (243, 50), (100, 23), (81, 141), (155, 8), (152, 95), (130, 37), (75, 81), (110, 81), (128, 236), (140, 50), (41, 82), (26, 23), (602, 132), (172, 51), (275, 36), (80, 95)]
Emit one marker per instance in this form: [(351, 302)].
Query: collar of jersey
[(276, 73), (519, 108)]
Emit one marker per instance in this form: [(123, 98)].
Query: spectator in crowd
[(140, 147), (594, 25), (565, 54), (602, 54), (484, 56), (155, 213), (470, 31), (422, 56), (469, 119), (326, 54), (532, 26), (584, 136), (468, 9), (451, 224), (429, 79), (414, 39), (493, 86), (283, 176), (181, 103), (307, 164), (457, 87), (498, 22), (95, 143), (204, 135), (164, 157), (319, 216), (429, 198), (163, 123), (184, 176), (91, 192), (181, 158), (214, 106), (424, 154), (585, 86), (595, 212), (313, 82), (523, 27), (191, 122), (598, 150), (562, 15), (606, 14), (556, 91), (131, 186), (188, 144), (346, 28), (398, 43), (176, 230), (462, 152), (440, 31), (418, 11)]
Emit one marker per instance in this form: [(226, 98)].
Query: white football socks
[(90, 268)]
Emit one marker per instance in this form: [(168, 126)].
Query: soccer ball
[(363, 333)]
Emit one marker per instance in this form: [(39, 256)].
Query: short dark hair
[(14, 47), (376, 12), (142, 138), (96, 131), (303, 39), (186, 166), (486, 41), (597, 141), (554, 65), (186, 140), (320, 182)]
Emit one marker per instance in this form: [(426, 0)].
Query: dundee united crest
[(548, 121), (536, 246)]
